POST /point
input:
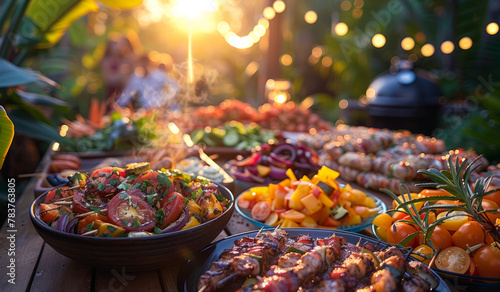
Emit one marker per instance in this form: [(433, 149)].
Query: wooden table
[(38, 267)]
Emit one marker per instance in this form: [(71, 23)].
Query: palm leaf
[(6, 134), (31, 127)]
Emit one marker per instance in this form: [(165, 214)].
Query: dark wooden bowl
[(134, 254)]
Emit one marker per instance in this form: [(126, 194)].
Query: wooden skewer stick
[(434, 257), (39, 174), (62, 203), (66, 198), (202, 288), (90, 232), (50, 209), (89, 213), (227, 279)]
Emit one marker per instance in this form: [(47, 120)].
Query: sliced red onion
[(71, 226), (284, 148), (253, 169), (179, 223), (241, 176), (277, 173), (255, 178), (276, 161), (281, 159), (62, 223)]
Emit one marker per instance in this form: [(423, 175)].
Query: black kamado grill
[(404, 100)]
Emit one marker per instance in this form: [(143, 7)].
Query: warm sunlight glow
[(279, 6), (427, 50), (492, 28), (193, 8), (378, 40), (223, 27), (341, 29), (447, 47), (280, 98), (311, 17), (465, 43), (407, 43)]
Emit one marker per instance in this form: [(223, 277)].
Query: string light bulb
[(378, 40), (407, 43)]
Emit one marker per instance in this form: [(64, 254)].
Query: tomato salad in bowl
[(132, 202)]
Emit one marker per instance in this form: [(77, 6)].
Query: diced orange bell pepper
[(49, 212), (311, 203)]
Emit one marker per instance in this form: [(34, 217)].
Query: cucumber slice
[(231, 139), (325, 188), (338, 212)]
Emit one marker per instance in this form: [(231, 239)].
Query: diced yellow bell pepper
[(285, 183), (305, 178), (351, 219), (249, 195), (193, 208), (277, 203), (289, 223), (369, 202), (110, 230), (272, 190), (346, 188), (315, 179), (302, 190), (291, 175), (309, 222), (383, 220), (311, 203), (263, 170), (326, 173), (191, 223), (325, 200)]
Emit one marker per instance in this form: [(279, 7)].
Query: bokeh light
[(427, 50), (311, 17), (345, 5), (286, 60), (378, 40), (327, 61), (465, 43), (269, 13), (407, 43), (447, 47), (341, 29), (317, 52), (492, 28), (343, 104), (279, 6)]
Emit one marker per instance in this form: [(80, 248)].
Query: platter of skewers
[(297, 259)]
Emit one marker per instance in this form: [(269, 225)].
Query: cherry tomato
[(423, 250), (495, 197), (470, 233), (472, 268), (453, 259), (453, 223), (446, 202), (56, 194), (490, 205), (432, 193), (104, 181), (131, 212), (246, 204), (440, 237), (82, 225), (383, 220), (398, 216), (261, 210), (398, 231), (487, 260), (82, 201), (172, 206), (154, 182)]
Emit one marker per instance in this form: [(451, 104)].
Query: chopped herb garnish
[(159, 216), (136, 223), (58, 192), (157, 230), (132, 177), (219, 197), (100, 186), (125, 222), (96, 209), (113, 182), (124, 186), (197, 216), (89, 226), (137, 186), (108, 175), (111, 228), (151, 199), (163, 180), (145, 185)]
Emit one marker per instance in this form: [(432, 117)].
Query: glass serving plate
[(380, 207)]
